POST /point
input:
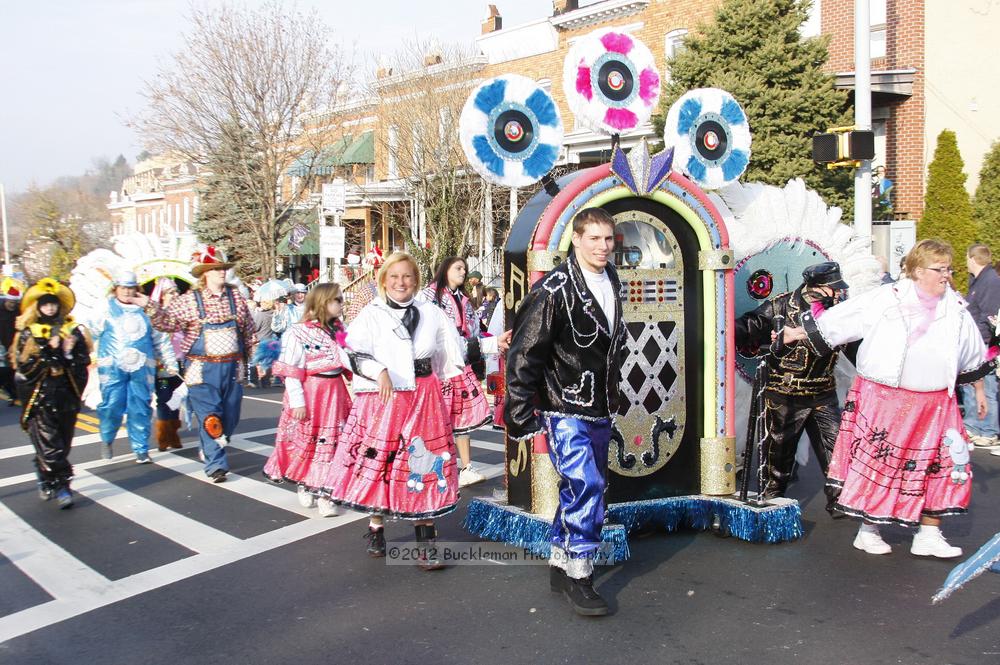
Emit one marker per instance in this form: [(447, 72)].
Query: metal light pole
[(862, 118), (3, 216)]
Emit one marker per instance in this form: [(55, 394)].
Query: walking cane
[(756, 431)]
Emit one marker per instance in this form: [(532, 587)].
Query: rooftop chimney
[(493, 21), (563, 6)]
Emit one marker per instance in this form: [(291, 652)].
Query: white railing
[(489, 265)]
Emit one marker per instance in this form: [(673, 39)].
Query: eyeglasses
[(948, 272)]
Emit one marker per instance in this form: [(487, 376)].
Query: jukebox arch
[(675, 434), (672, 460)]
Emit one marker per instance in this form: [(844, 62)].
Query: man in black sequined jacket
[(563, 371), (800, 393)]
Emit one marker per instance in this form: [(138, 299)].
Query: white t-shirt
[(600, 286)]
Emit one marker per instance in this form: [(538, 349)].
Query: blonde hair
[(266, 305), (926, 252), (318, 298), (394, 258)]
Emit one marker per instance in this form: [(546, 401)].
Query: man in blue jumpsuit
[(126, 368)]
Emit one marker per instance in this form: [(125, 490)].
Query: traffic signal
[(843, 147)]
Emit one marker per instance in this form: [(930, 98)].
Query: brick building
[(926, 61), (161, 197), (535, 49)]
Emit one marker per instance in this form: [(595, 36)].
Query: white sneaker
[(870, 540), (931, 542), (306, 499), (984, 442), (328, 508), (469, 476)]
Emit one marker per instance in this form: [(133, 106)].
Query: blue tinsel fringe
[(497, 521), (503, 523), (771, 524)]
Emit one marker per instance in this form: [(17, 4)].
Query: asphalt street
[(156, 565)]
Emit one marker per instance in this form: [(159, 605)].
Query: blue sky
[(70, 70)]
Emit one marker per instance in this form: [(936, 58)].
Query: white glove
[(177, 398)]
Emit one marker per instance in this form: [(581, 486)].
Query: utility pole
[(3, 216), (863, 118)]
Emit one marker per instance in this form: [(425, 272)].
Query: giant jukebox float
[(689, 261)]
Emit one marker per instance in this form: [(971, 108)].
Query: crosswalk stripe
[(47, 564), (490, 470), (241, 441), (263, 399), (18, 451), (253, 489), (67, 607), (251, 446), (256, 433), (488, 445), (179, 528), (77, 588)]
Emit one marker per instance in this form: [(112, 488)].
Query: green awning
[(362, 150), (345, 150), (323, 163)]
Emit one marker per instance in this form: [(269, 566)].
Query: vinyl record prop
[(610, 81), (777, 232), (710, 135), (511, 131), (671, 458)]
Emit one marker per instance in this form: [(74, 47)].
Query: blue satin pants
[(128, 393), (579, 452)]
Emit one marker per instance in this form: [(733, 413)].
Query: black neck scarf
[(411, 316)]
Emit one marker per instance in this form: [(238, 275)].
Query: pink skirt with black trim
[(465, 400), (397, 459), (891, 463), (304, 449)]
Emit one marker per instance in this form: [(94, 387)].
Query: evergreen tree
[(228, 212), (947, 209), (986, 206), (754, 51)]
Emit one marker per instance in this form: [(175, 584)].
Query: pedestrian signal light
[(843, 146)]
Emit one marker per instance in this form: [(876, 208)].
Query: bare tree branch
[(245, 81)]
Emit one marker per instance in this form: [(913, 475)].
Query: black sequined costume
[(49, 384), (800, 393)]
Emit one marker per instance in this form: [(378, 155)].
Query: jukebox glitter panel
[(654, 449)]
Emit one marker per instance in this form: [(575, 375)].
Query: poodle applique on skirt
[(465, 400), (892, 461), (399, 458), (304, 449)]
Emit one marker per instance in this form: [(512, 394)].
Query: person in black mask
[(50, 357), (800, 393)]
